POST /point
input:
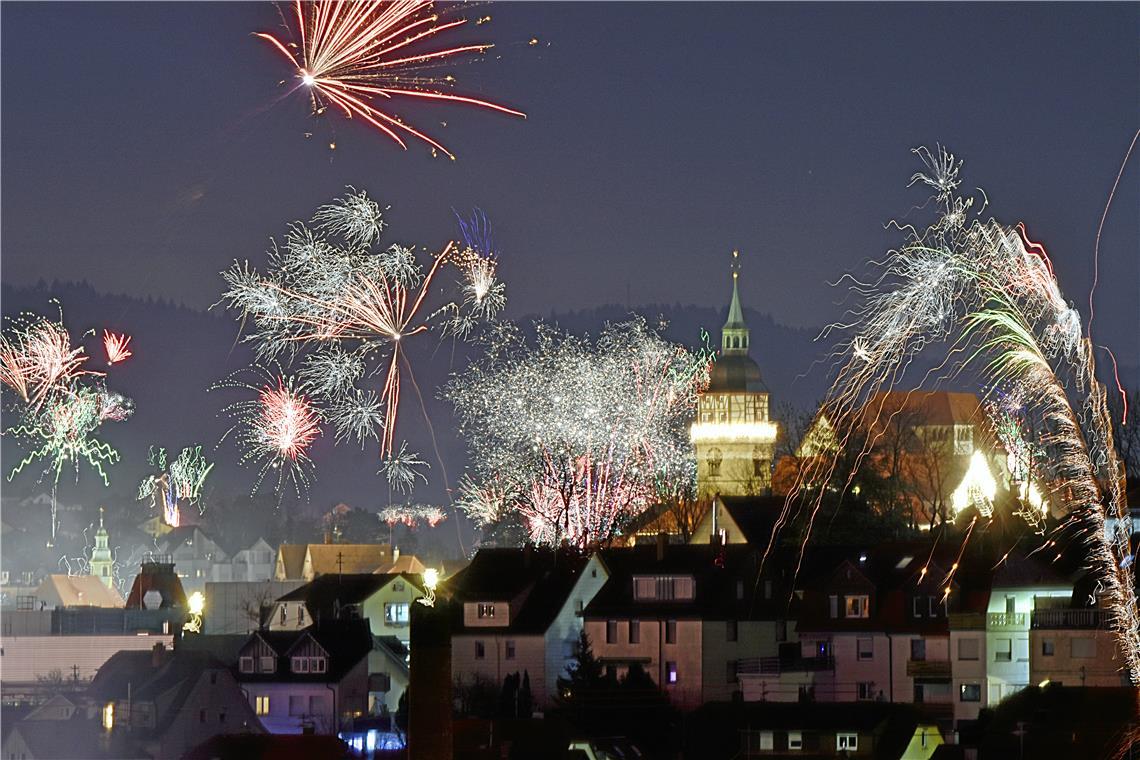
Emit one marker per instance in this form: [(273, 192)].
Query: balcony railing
[(1000, 620), (775, 665), (1090, 618), (928, 668), (967, 621)]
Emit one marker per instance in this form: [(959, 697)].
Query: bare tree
[(1126, 430)]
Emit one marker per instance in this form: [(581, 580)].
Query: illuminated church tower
[(732, 435), (101, 560)]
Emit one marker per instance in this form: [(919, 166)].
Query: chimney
[(662, 540), (395, 553)]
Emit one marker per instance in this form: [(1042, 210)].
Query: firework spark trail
[(183, 480), (116, 347), (987, 292), (575, 436), (345, 312), (275, 429), (352, 53), (412, 515)]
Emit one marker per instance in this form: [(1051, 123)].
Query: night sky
[(146, 146)]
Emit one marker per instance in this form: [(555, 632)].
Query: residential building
[(256, 563), (691, 616), (384, 599), (732, 434), (308, 681), (1074, 646), (307, 561), (242, 606), (196, 555), (161, 704), (76, 591), (517, 611)]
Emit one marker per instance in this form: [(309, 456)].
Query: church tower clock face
[(733, 436)]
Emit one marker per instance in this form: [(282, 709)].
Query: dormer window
[(486, 611), (266, 664), (318, 664), (245, 664), (300, 664), (857, 606)]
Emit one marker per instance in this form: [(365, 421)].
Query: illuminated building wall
[(733, 436)]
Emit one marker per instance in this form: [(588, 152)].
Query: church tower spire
[(101, 559), (734, 335)]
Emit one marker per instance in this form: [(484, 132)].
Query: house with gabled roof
[(519, 611), (309, 681), (384, 599), (162, 703), (77, 591), (691, 616)]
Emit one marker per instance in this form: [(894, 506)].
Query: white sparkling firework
[(343, 308), (576, 436), (987, 292), (402, 469), (412, 515)]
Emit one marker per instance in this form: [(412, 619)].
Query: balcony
[(1066, 618), (1006, 621), (928, 668), (774, 666), (967, 621)]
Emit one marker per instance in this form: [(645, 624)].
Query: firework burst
[(575, 436), (344, 308), (116, 347), (354, 55), (274, 430), (988, 293), (412, 515)]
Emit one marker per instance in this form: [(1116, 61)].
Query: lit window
[(846, 742), (866, 649), (856, 606), (670, 672), (262, 705), (109, 716), (795, 740), (245, 664), (486, 611), (480, 650), (970, 692), (767, 740), (510, 650), (397, 613)]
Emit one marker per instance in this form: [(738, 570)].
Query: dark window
[(221, 717), (213, 677), (866, 649), (918, 649), (611, 631), (480, 651), (635, 632), (971, 692), (670, 631), (730, 671), (1046, 647), (730, 630), (510, 650)]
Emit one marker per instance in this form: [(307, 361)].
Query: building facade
[(733, 435)]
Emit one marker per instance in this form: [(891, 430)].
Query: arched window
[(714, 463)]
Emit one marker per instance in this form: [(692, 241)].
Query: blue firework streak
[(476, 232)]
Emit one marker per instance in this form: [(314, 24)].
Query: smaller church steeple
[(734, 334), (101, 559)]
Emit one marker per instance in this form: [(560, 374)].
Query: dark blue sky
[(145, 146)]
